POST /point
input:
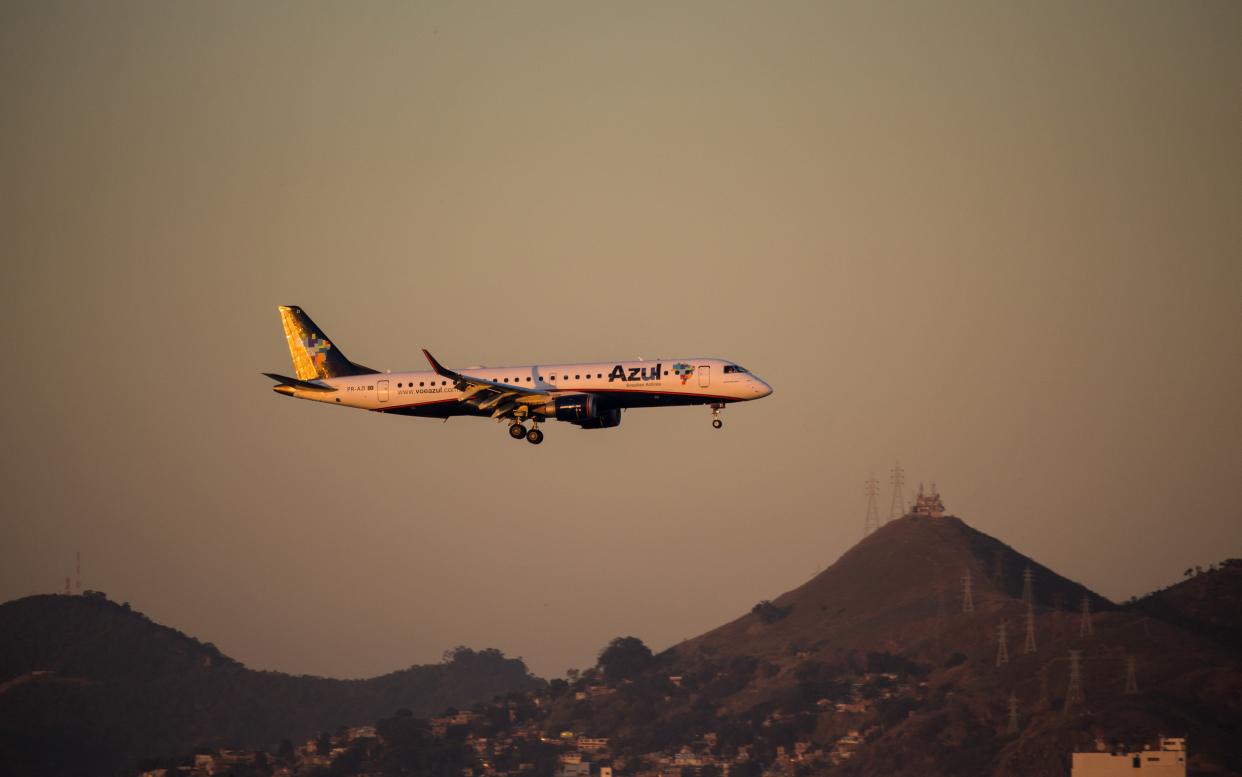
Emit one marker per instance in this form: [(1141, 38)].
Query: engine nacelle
[(585, 410), (605, 419)]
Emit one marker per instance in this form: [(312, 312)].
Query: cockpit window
[(734, 368)]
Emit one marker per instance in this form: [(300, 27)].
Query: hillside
[(1207, 602), (867, 647), (873, 667), (88, 686), (887, 591)]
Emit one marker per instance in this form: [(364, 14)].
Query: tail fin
[(314, 355)]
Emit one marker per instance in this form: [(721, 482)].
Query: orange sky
[(998, 242)]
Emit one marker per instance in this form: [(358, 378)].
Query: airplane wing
[(503, 399)]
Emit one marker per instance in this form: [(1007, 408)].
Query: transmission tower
[(1029, 645), (1012, 728), (1073, 694), (872, 521), (1002, 645), (897, 508), (968, 600), (1131, 681), (78, 579), (1085, 629), (1028, 590), (67, 589)]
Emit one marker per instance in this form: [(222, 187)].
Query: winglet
[(437, 366), (458, 379)]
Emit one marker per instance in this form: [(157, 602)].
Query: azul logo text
[(636, 374)]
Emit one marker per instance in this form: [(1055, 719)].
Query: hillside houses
[(520, 737)]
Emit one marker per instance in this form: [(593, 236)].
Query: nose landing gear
[(716, 422)]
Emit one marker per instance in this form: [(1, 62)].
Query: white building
[(1167, 761)]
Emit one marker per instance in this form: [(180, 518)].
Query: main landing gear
[(517, 432), (716, 422)]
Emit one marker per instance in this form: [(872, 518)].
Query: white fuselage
[(623, 384)]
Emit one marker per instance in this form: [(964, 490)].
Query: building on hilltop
[(928, 504), (1168, 760)]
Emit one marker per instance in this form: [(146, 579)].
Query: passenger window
[(420, 383), (577, 377)]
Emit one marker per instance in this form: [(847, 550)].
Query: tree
[(624, 657)]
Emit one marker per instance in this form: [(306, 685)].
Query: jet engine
[(604, 419), (585, 410)]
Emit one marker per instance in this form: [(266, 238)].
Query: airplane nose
[(761, 389)]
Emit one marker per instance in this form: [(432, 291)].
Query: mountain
[(88, 686), (887, 591), (876, 667)]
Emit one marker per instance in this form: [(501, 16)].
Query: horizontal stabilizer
[(303, 385)]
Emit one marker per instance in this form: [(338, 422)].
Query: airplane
[(589, 395)]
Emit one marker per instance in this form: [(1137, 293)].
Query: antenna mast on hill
[(897, 508), (968, 600), (1013, 714), (78, 580), (67, 590), (1028, 590), (872, 521), (1073, 694), (1002, 645)]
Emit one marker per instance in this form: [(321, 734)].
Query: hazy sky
[(1000, 242)]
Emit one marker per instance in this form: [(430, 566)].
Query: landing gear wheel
[(717, 423), (534, 437), (517, 431)]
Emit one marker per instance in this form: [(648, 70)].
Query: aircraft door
[(382, 390), (705, 376)]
